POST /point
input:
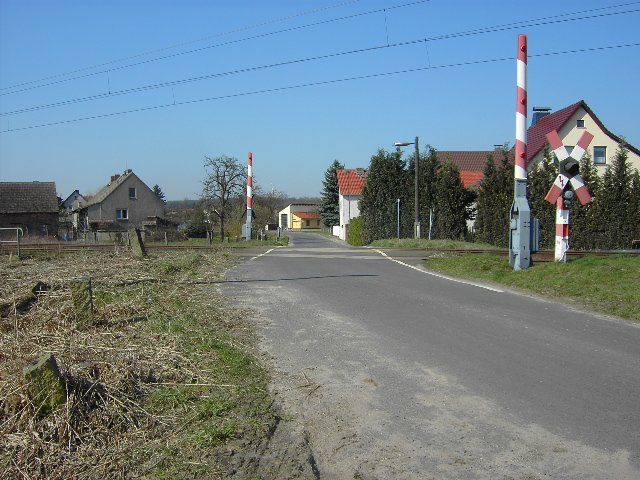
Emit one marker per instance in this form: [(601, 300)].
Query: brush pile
[(105, 428)]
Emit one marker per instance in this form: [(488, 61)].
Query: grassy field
[(164, 383), (609, 285)]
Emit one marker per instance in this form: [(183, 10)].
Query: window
[(122, 214), (132, 192), (600, 155), (580, 124)]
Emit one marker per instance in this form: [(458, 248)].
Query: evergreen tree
[(450, 204), (540, 179), (484, 219), (612, 203), (329, 203), (427, 186), (505, 198), (159, 193), (634, 205), (583, 219), (494, 201), (387, 182)]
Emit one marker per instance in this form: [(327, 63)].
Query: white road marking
[(438, 275), (263, 254)]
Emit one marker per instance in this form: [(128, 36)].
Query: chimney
[(539, 113), (114, 178)]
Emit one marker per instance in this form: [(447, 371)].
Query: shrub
[(354, 233)]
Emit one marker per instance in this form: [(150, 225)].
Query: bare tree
[(225, 181)]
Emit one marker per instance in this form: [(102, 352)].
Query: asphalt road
[(394, 372)]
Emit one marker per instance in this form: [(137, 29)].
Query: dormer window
[(132, 192), (580, 124)]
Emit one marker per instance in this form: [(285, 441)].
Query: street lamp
[(416, 221)]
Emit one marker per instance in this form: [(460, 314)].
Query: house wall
[(146, 204), (570, 134), (349, 206), (301, 223), (290, 210), (31, 223)]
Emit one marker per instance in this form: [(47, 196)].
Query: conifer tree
[(494, 201), (634, 206), (583, 218), (450, 204), (484, 219), (428, 180), (541, 177), (386, 183), (329, 202), (612, 203)]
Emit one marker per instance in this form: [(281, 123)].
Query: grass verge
[(609, 285), (430, 244), (163, 384)]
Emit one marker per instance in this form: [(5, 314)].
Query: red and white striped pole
[(249, 196), (521, 111), (520, 238), (562, 230)]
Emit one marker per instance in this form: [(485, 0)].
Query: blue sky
[(458, 92)]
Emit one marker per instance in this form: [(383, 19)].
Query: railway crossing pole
[(559, 193), (522, 237), (247, 227)]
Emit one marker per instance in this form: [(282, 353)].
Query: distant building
[(350, 185), (299, 216), (126, 202), (31, 206)]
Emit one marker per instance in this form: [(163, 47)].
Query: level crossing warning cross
[(567, 175)]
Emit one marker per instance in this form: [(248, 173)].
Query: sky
[(89, 89)]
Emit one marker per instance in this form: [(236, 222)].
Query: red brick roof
[(307, 215), (470, 163), (470, 178), (350, 182), (536, 135)]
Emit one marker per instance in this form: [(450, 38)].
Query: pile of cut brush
[(104, 412)]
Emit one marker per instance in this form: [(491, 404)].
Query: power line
[(315, 84), (218, 45), (496, 28), (163, 49)]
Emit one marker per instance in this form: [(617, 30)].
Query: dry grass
[(161, 355)]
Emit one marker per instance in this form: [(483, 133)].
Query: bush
[(354, 232)]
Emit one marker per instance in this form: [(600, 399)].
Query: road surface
[(389, 371)]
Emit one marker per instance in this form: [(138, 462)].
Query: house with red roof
[(350, 185), (571, 122), (470, 163)]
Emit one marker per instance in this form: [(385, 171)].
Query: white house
[(350, 184)]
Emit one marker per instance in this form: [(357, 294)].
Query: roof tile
[(28, 197), (351, 182)]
